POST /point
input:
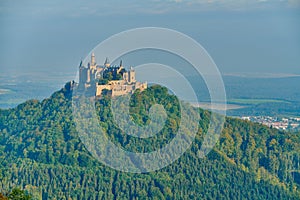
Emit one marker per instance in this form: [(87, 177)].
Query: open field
[(255, 101), (216, 106)]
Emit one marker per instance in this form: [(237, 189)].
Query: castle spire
[(106, 63), (93, 60)]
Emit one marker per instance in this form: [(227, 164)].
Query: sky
[(242, 36)]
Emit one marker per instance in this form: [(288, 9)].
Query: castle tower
[(125, 76), (83, 74), (131, 75), (93, 60), (92, 64)]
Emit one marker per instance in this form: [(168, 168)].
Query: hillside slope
[(40, 150)]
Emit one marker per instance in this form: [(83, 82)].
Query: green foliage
[(118, 77), (16, 194), (103, 81), (109, 76), (40, 148)]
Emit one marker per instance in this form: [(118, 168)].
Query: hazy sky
[(240, 35)]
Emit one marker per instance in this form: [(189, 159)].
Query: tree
[(2, 197), (18, 194)]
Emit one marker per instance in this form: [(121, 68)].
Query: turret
[(93, 60), (131, 75), (106, 63)]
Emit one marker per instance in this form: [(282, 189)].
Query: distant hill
[(41, 151)]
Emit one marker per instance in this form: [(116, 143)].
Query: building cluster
[(281, 123), (113, 80)]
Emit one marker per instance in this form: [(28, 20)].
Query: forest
[(42, 154)]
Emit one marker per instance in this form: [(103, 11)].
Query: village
[(280, 123)]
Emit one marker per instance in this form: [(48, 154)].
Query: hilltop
[(40, 149)]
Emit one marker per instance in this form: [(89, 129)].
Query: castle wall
[(131, 76), (99, 89), (117, 82), (123, 89), (119, 88)]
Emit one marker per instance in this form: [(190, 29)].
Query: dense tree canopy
[(40, 151)]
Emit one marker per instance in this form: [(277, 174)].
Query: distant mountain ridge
[(262, 75), (14, 90)]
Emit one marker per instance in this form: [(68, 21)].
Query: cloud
[(78, 8), (294, 3)]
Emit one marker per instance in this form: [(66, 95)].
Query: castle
[(106, 79)]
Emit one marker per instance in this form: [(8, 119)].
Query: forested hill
[(41, 152)]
